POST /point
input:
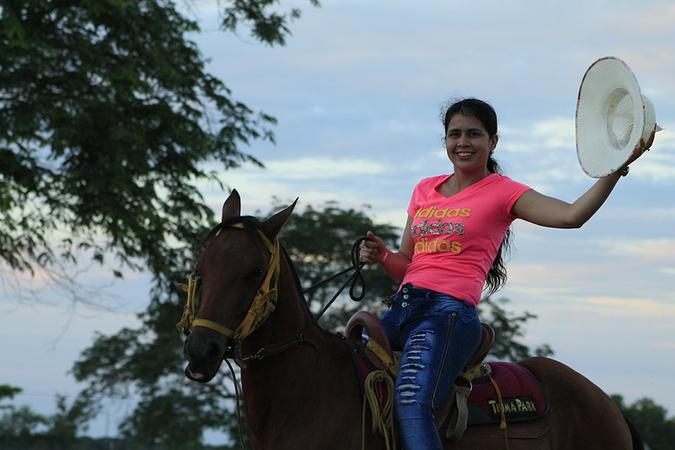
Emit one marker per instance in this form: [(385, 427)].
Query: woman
[(450, 250)]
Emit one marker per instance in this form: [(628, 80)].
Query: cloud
[(578, 270), (657, 249), (660, 214), (658, 165), (524, 291), (553, 280), (668, 345), (314, 180), (666, 137), (412, 127), (519, 146), (395, 217), (541, 153), (257, 192), (555, 133), (278, 172), (547, 133), (657, 17), (654, 170), (547, 137), (630, 306), (322, 167)]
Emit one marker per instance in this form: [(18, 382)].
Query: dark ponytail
[(496, 276)]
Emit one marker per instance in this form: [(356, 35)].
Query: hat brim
[(602, 149)]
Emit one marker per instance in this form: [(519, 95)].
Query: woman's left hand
[(641, 147)]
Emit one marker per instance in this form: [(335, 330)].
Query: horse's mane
[(296, 279)]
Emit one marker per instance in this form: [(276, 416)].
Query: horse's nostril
[(212, 351)]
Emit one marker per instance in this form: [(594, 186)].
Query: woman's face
[(468, 143)]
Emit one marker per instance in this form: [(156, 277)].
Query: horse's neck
[(298, 381), (290, 318)]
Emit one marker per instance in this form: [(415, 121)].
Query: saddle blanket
[(521, 393)]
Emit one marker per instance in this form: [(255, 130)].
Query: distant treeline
[(88, 443)]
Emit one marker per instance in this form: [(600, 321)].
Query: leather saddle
[(484, 393), (378, 351)]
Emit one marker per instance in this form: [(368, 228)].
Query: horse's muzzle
[(204, 351)]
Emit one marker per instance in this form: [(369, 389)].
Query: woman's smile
[(464, 154)]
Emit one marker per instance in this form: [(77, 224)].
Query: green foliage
[(108, 122), (147, 426), (108, 125), (18, 426), (269, 27), (146, 365), (22, 428), (656, 429), (8, 392)]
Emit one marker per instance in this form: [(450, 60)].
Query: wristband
[(395, 266)]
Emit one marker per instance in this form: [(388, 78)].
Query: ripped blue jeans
[(437, 334)]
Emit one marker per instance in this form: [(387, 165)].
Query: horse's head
[(236, 281)]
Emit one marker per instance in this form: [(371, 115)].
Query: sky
[(358, 91)]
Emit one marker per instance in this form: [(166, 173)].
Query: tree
[(64, 427), (146, 366), (17, 424), (108, 121), (651, 421), (18, 428), (8, 392), (22, 428)]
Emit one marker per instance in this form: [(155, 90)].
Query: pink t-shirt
[(457, 238)]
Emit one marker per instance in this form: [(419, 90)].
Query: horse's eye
[(257, 272)]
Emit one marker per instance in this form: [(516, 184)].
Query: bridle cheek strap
[(188, 317), (265, 301), (263, 304)]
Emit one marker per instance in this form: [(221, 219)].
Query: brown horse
[(299, 385)]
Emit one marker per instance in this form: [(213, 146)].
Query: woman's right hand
[(372, 250)]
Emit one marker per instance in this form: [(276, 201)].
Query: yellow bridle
[(264, 302)]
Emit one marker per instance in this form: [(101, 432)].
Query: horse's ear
[(232, 206), (273, 225)]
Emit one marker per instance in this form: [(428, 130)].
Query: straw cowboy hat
[(612, 116)]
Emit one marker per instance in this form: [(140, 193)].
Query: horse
[(299, 385)]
